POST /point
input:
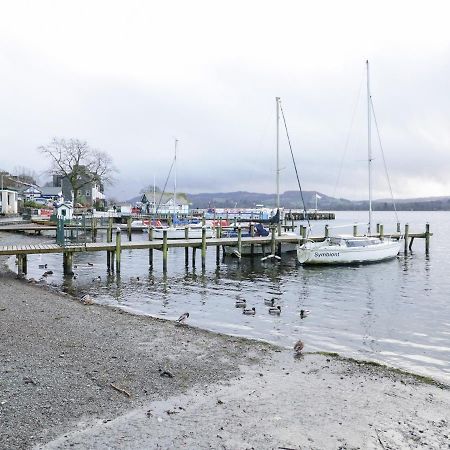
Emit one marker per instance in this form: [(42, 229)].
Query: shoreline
[(68, 369)]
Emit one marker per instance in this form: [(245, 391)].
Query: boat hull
[(331, 254)]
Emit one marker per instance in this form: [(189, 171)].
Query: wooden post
[(239, 245), (381, 231), (378, 228), (67, 263), (252, 234), (203, 246), (406, 238), (186, 249), (293, 223), (19, 266), (273, 242), (398, 227), (109, 239), (150, 250), (355, 230), (24, 264), (427, 238), (118, 250), (193, 256), (164, 250), (326, 231), (94, 229), (218, 235), (129, 228)]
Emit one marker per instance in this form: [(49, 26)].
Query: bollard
[(427, 238), (239, 246), (381, 231), (355, 230), (326, 231)]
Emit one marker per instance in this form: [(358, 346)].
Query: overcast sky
[(130, 76)]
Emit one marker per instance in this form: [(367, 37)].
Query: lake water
[(395, 312)]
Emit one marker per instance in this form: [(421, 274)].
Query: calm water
[(396, 312)]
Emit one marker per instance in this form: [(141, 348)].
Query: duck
[(275, 310), (99, 278), (90, 264), (249, 312), (298, 347), (240, 303), (48, 272), (304, 313), (269, 302), (42, 266), (135, 279), (86, 300), (183, 318)]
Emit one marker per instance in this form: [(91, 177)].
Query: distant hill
[(292, 199)]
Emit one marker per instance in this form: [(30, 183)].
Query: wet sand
[(85, 376)]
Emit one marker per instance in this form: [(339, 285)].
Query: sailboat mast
[(277, 99), (175, 179), (369, 147)]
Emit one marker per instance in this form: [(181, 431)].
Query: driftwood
[(122, 391)]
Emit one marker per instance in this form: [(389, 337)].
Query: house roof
[(147, 197), (50, 190)]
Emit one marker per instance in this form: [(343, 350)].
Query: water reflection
[(393, 312)]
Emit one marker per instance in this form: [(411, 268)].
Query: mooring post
[(19, 266), (326, 231), (355, 230), (95, 229), (378, 228), (193, 256), (67, 263), (150, 250), (381, 231), (129, 228), (108, 240), (186, 249), (239, 245), (118, 250), (272, 241), (398, 227), (24, 264), (406, 238), (252, 234), (427, 238), (218, 235), (293, 222), (164, 249), (203, 246)]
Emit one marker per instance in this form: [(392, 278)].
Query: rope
[(347, 141), (384, 160), (295, 167), (164, 188)]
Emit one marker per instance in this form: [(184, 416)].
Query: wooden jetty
[(114, 249)]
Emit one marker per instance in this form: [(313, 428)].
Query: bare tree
[(79, 163)]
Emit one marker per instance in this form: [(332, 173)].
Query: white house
[(8, 201), (64, 211)]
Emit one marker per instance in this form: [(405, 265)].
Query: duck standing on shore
[(183, 318), (298, 347)]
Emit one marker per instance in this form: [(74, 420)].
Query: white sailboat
[(175, 231), (246, 249), (352, 249)]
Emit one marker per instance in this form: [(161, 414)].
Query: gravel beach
[(85, 376)]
